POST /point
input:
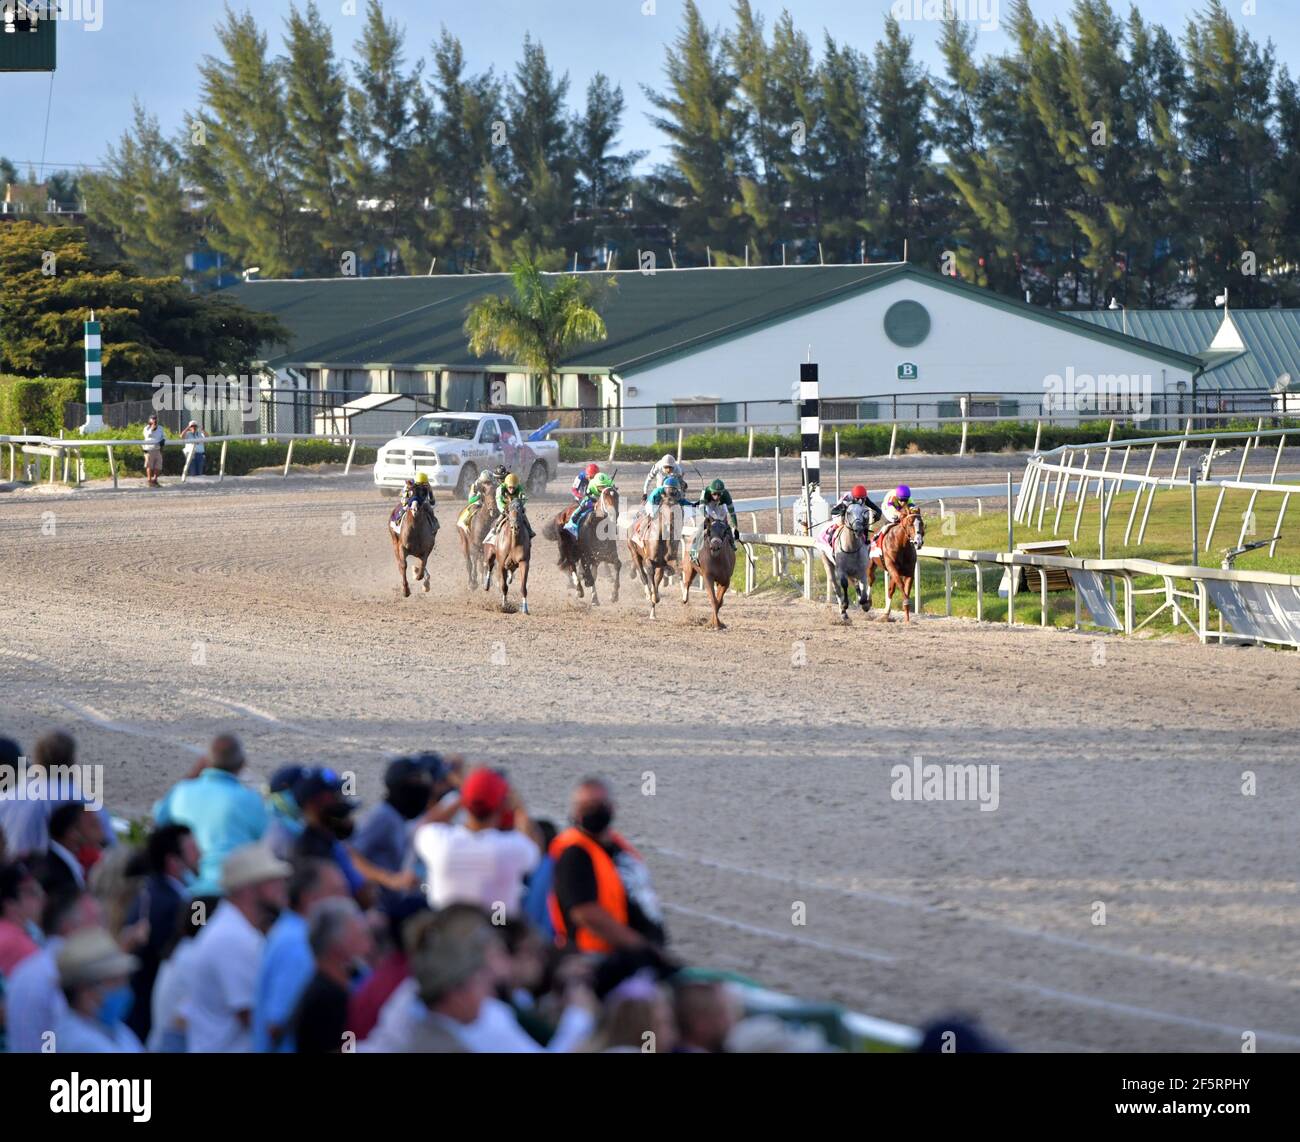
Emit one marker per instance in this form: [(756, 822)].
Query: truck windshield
[(443, 426)]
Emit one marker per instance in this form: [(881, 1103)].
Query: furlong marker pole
[(810, 422), (94, 378)]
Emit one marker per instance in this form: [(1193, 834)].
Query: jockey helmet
[(422, 478), (859, 492), (500, 472), (668, 460), (716, 488), (592, 470), (512, 482), (903, 492), (600, 481), (672, 482)]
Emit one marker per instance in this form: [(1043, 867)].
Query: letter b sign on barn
[(908, 371)]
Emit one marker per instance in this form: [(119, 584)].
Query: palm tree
[(537, 327)]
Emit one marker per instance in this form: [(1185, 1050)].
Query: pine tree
[(315, 110), (135, 207), (842, 148), (1283, 196), (239, 153), (703, 126), (604, 178)]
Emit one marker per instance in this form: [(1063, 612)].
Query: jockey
[(599, 481), (666, 466), (670, 491), (416, 492), (582, 479), (717, 504), (484, 486), (855, 495), (895, 504), (509, 491)]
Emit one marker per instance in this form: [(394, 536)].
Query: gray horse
[(850, 558)]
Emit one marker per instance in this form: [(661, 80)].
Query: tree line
[(1102, 158)]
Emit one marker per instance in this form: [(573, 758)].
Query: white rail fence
[(1053, 479), (1252, 606)]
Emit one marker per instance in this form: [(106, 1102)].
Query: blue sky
[(151, 49)]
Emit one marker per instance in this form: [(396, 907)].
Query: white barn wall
[(971, 347)]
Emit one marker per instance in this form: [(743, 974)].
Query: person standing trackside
[(154, 439), (193, 436)]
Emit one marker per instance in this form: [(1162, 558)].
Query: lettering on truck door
[(510, 444)]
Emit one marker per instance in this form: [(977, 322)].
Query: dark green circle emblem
[(907, 323)]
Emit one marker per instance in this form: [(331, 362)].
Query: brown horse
[(899, 551), (653, 547), (471, 539), (596, 543), (509, 549), (418, 531), (715, 564)]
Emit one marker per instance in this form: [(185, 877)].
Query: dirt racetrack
[(145, 622)]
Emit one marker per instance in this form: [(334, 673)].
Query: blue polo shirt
[(287, 969), (222, 813)]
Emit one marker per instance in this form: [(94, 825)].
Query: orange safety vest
[(610, 893)]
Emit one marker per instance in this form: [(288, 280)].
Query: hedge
[(36, 405), (868, 440), (242, 456)]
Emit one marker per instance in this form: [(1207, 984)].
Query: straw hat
[(251, 864), (92, 957)]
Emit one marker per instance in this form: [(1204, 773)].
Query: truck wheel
[(537, 478), (468, 474)]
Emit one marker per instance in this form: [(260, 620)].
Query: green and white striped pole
[(94, 383)]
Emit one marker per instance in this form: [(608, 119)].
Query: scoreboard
[(27, 35)]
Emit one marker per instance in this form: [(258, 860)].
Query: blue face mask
[(115, 1006)]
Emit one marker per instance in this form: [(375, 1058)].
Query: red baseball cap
[(483, 792)]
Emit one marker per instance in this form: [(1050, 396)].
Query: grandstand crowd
[(289, 918)]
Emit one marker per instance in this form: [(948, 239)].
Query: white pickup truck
[(454, 447)]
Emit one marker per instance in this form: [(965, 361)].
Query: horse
[(898, 555), (415, 538), (654, 547), (849, 559), (715, 564), (510, 549), (596, 543), (471, 539)]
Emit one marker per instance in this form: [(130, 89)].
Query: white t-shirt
[(223, 981), (171, 992), (483, 867)]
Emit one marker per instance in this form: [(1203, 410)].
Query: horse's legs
[(688, 577), (489, 561), (523, 586), (592, 569), (905, 586), (400, 556), (618, 575), (656, 577), (715, 601)]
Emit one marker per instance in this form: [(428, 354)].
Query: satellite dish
[(1282, 383)]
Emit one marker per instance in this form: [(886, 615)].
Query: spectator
[(602, 894), (35, 1001), (175, 982), (71, 829), (154, 439), (282, 810), (51, 781), (705, 1012), (637, 1017), (287, 963), (453, 978), (383, 837), (93, 972), (21, 901), (392, 968), (170, 864), (223, 814), (540, 883), (340, 942), (476, 862), (229, 950), (193, 437)]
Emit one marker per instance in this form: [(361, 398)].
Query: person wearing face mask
[(93, 972), (228, 952), (169, 864), (602, 898), (328, 822)]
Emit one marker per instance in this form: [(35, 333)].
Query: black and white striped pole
[(810, 424)]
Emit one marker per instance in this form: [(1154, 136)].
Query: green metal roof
[(417, 322), (1271, 338)]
